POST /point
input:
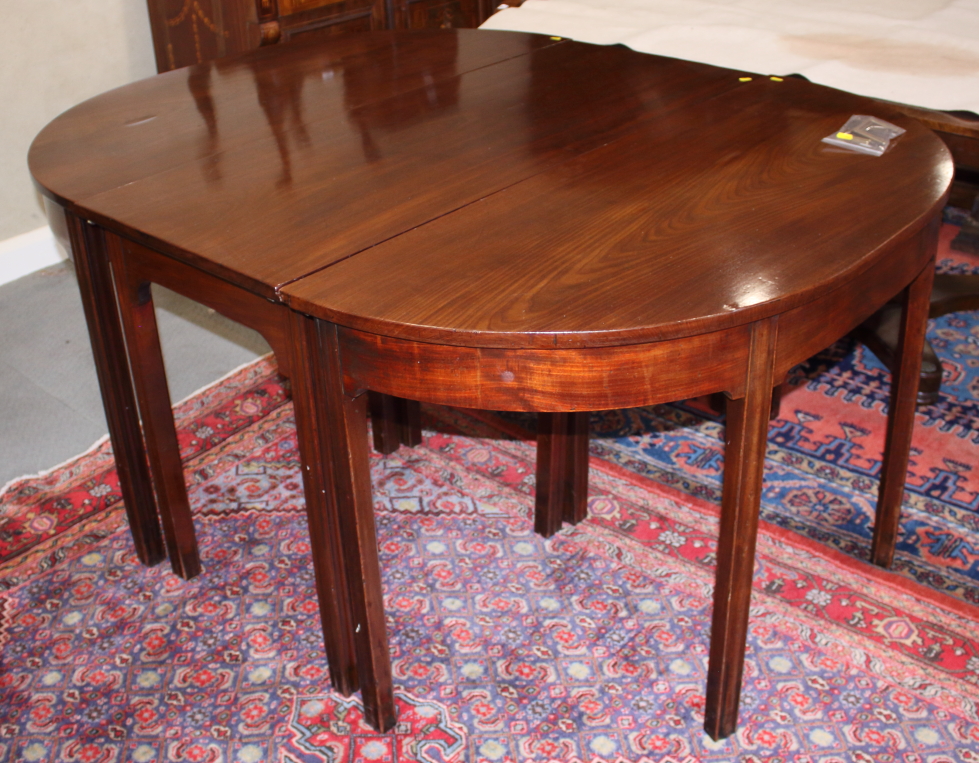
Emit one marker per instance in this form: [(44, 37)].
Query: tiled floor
[(50, 408)]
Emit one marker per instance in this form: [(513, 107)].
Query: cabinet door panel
[(189, 32), (441, 14), (194, 31), (288, 7), (332, 18)]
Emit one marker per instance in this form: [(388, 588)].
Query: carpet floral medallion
[(589, 647)]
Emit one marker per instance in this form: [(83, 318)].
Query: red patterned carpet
[(588, 647)]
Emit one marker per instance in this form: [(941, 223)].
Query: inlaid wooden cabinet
[(193, 31)]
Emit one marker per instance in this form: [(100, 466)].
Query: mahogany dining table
[(489, 220)]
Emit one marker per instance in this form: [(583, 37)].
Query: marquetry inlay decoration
[(193, 12)]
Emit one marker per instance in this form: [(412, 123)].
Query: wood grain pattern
[(590, 379), (190, 115), (393, 147), (714, 215)]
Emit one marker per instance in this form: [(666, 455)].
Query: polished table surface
[(497, 221), (265, 168)]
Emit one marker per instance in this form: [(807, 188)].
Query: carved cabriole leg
[(153, 396), (900, 415), (744, 460), (118, 398), (562, 470), (344, 437), (312, 426)]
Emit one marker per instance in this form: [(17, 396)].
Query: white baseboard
[(28, 252)]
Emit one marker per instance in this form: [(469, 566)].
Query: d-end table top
[(493, 188), (726, 211), (264, 168)]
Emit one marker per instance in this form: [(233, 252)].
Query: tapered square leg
[(344, 441), (319, 484), (744, 460), (118, 397), (409, 414), (575, 504), (916, 301), (153, 397), (562, 470), (384, 422)]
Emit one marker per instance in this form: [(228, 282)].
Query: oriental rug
[(590, 646)]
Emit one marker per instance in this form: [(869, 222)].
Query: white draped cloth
[(918, 52)]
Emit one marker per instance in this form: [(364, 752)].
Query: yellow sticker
[(557, 38), (744, 79), (775, 79), (844, 136)]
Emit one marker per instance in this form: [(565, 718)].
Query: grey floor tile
[(38, 430), (50, 406), (43, 336)]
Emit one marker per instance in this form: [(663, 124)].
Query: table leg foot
[(346, 443), (900, 416), (115, 383), (744, 459), (153, 396), (562, 470)]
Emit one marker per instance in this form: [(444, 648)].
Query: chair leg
[(115, 383), (744, 460)]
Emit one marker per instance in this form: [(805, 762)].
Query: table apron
[(602, 378), (270, 319), (809, 328), (589, 379)]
